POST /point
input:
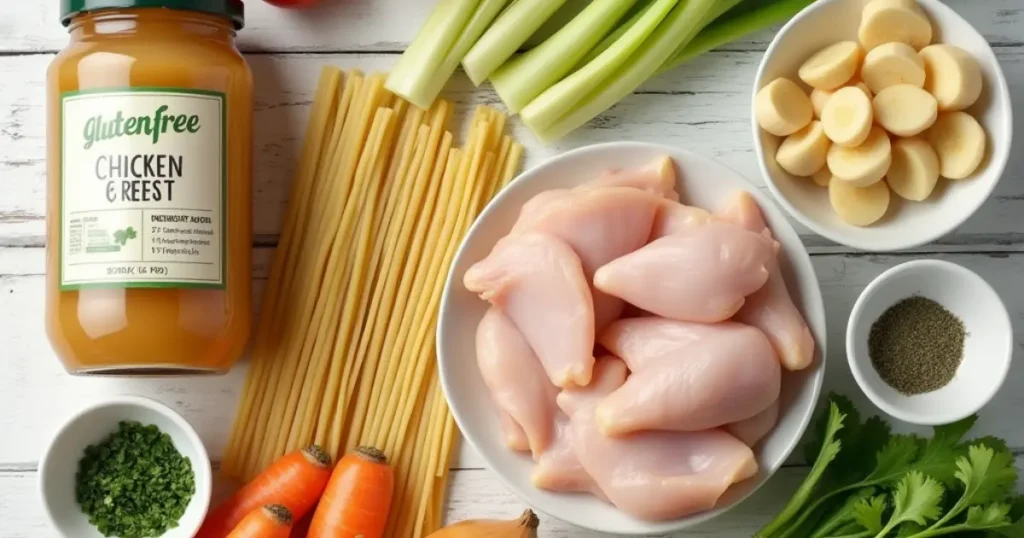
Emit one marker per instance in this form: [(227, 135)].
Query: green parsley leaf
[(937, 457), (915, 499), (987, 475), (868, 513), (130, 233), (829, 448), (988, 516), (842, 515), (894, 459)]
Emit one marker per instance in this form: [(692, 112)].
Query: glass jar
[(149, 188)]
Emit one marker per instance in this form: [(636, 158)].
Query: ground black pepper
[(917, 345)]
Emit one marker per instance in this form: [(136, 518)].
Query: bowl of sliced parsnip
[(558, 464), (881, 124)]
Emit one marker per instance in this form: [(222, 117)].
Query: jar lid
[(232, 9)]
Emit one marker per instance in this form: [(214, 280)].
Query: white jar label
[(143, 189)]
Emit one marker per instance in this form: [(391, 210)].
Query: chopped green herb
[(134, 484), (911, 488)]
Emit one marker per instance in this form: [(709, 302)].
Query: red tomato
[(292, 3)]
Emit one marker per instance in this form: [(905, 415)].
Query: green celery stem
[(556, 101), (523, 78), (512, 28), (427, 52), (732, 28), (681, 25)]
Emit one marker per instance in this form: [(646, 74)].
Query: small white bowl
[(703, 182), (59, 463), (907, 224), (988, 348)]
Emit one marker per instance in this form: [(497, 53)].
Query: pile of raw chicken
[(635, 344)]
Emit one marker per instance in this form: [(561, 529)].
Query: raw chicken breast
[(711, 381), (538, 282), (753, 429), (640, 341), (673, 217), (600, 225), (519, 385), (658, 177), (515, 437), (771, 308), (700, 274), (653, 475), (559, 469)]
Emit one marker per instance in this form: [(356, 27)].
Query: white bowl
[(988, 347), (906, 224), (704, 183), (59, 464)]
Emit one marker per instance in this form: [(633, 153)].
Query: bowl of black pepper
[(929, 342), (128, 467)]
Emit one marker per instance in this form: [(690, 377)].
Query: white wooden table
[(702, 107)]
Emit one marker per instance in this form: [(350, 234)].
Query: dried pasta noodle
[(344, 351)]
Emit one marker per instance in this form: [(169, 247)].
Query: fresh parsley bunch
[(867, 482)]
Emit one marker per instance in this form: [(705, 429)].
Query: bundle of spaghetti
[(344, 351)]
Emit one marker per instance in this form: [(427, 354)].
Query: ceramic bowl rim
[(858, 362), (997, 164), (203, 468), (446, 376)]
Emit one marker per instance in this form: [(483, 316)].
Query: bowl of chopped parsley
[(128, 467)]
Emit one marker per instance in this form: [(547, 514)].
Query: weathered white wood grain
[(472, 494), (384, 25), (703, 107), (36, 394)]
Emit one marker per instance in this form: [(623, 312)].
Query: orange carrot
[(294, 481), (270, 521), (357, 499)]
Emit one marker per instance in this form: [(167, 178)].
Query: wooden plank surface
[(703, 106), (388, 25), (209, 403)]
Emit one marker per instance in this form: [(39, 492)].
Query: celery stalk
[(679, 27), (751, 17), (523, 78), (424, 90), (550, 107), (639, 9), (512, 28), (424, 57)]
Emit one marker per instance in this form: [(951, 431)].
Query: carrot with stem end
[(295, 481), (269, 521), (357, 499)]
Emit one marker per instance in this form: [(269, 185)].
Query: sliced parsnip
[(860, 85), (782, 108), (876, 5), (952, 75), (859, 206), (959, 141), (803, 152), (914, 170), (818, 100), (820, 97), (863, 165), (890, 64), (905, 110), (885, 21), (822, 177), (832, 66), (847, 116)]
